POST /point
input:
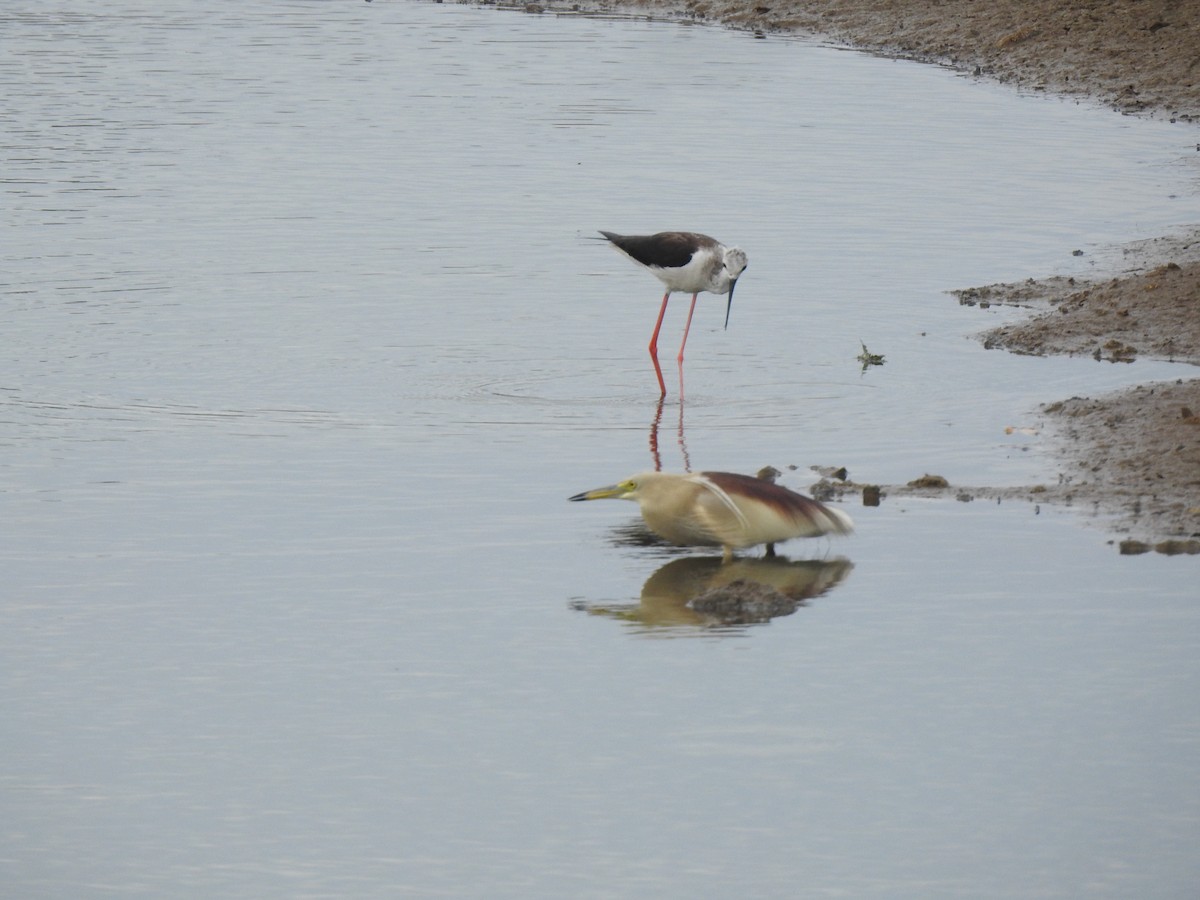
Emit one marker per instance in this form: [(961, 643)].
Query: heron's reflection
[(700, 591)]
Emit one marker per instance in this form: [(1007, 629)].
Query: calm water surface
[(306, 344)]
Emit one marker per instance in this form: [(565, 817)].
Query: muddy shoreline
[(1132, 459), (1138, 57)]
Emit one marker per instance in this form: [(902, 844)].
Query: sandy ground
[(1133, 458)]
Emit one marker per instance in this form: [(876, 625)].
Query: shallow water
[(306, 345)]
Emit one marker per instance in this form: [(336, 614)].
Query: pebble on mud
[(929, 481)]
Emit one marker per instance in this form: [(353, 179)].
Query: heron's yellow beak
[(604, 493)]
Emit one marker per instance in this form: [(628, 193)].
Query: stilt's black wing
[(667, 250)]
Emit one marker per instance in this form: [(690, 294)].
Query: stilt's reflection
[(656, 424), (700, 592)]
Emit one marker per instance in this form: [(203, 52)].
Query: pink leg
[(662, 385), (662, 311), (687, 328)]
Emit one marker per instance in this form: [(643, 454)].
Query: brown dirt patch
[(1138, 454), (1151, 310)]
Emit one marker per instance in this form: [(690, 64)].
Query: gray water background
[(305, 345)]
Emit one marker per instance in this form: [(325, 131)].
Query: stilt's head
[(735, 265)]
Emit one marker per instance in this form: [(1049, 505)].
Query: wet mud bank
[(1133, 454)]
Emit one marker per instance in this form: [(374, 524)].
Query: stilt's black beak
[(729, 305)]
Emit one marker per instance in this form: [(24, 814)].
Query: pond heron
[(722, 509)]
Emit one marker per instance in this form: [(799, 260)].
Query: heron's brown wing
[(772, 512)]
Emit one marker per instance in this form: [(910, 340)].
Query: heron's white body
[(724, 509)]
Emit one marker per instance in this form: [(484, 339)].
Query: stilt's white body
[(683, 260)]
